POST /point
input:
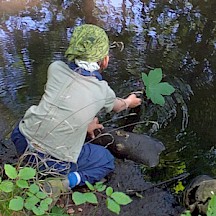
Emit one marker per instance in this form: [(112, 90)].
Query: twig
[(118, 118), (115, 129), (179, 177), (135, 123)]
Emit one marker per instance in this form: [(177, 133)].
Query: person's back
[(59, 123), (56, 128)]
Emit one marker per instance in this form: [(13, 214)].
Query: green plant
[(155, 89), (21, 192), (114, 200), (186, 213), (212, 207), (57, 211)]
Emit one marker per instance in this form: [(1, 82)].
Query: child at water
[(74, 94)]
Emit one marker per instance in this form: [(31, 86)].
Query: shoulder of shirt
[(57, 63), (57, 66)]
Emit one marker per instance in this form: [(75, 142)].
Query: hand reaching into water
[(130, 102), (133, 101)]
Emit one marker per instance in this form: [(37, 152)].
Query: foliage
[(114, 200), (21, 192), (179, 187), (155, 89), (187, 213), (57, 211), (211, 208)]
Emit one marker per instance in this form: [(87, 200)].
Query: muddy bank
[(154, 202)]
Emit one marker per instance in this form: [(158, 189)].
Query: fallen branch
[(175, 178), (139, 148)]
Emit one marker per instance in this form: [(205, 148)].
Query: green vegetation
[(21, 192), (212, 207), (155, 89), (114, 200)]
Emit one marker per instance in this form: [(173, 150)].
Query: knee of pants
[(98, 165)]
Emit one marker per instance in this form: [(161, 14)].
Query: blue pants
[(94, 161)]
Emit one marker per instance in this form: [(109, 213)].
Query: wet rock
[(198, 194), (139, 148)]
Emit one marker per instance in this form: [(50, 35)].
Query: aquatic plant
[(155, 89)]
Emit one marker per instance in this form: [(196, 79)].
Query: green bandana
[(88, 43)]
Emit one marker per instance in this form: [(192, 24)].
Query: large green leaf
[(156, 89), (10, 171)]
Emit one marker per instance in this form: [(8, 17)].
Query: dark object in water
[(198, 194), (139, 148)]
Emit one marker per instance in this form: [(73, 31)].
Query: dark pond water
[(177, 36)]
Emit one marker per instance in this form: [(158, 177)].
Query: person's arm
[(130, 102)]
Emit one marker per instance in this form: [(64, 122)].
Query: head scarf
[(89, 43)]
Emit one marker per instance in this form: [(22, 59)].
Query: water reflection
[(179, 36)]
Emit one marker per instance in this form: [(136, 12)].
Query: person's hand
[(92, 126), (130, 102), (133, 101)]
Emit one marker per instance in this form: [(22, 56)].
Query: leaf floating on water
[(155, 89)]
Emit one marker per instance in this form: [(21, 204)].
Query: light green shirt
[(58, 125)]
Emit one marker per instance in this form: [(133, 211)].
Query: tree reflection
[(179, 36)]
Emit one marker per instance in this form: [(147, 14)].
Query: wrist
[(127, 102)]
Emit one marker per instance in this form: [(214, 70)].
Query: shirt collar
[(84, 72)]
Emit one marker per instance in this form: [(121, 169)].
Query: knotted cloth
[(88, 43)]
